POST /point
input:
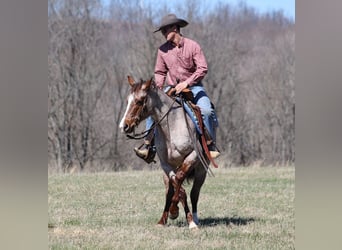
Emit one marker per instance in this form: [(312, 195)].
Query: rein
[(146, 132), (198, 152)]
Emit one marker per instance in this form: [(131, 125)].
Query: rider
[(181, 62)]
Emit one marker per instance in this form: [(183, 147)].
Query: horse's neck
[(169, 115), (161, 104)]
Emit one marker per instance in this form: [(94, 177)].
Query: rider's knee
[(206, 111)]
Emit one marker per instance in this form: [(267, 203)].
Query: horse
[(177, 145)]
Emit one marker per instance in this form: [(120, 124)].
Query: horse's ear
[(130, 81), (147, 84)]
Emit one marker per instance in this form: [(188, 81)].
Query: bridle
[(143, 134)]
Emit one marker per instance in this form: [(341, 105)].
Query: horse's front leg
[(180, 194), (188, 215), (168, 199), (174, 209)]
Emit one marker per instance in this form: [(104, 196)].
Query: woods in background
[(93, 47)]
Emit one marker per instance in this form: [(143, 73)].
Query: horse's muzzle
[(128, 129)]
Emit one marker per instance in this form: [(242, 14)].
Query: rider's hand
[(180, 86)]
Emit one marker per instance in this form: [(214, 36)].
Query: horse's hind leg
[(195, 191)]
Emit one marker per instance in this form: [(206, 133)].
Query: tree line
[(93, 47)]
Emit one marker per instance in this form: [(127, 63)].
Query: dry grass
[(239, 208)]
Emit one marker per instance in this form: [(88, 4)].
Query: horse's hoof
[(173, 212), (173, 216), (160, 225), (193, 226)]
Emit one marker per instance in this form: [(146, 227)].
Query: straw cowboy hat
[(169, 20)]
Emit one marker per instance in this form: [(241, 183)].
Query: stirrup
[(147, 154)]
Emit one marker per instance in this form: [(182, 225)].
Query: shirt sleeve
[(160, 70), (201, 66)]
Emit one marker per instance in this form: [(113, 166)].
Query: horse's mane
[(164, 96)]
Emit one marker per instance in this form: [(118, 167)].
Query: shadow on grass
[(225, 221)]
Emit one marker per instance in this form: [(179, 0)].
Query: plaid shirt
[(185, 63)]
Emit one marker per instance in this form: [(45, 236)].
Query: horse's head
[(136, 109)]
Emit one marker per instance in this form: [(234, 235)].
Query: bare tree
[(92, 49), (76, 80)]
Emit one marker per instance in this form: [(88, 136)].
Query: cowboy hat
[(169, 20)]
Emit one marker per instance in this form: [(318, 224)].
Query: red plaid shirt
[(185, 63)]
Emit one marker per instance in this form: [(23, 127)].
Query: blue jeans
[(208, 113)]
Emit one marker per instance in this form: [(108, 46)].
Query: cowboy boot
[(148, 152), (143, 153), (214, 153)]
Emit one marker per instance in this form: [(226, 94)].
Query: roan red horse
[(177, 143)]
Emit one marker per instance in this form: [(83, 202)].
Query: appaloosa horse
[(177, 144)]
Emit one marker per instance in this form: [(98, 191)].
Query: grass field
[(239, 208)]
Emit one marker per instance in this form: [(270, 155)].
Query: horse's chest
[(179, 148)]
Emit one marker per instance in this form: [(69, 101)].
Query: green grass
[(239, 208)]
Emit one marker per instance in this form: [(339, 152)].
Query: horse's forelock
[(136, 87)]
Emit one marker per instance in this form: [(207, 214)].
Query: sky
[(261, 6), (287, 6)]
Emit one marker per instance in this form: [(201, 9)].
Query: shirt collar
[(181, 43)]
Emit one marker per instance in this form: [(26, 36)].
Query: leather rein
[(146, 132)]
